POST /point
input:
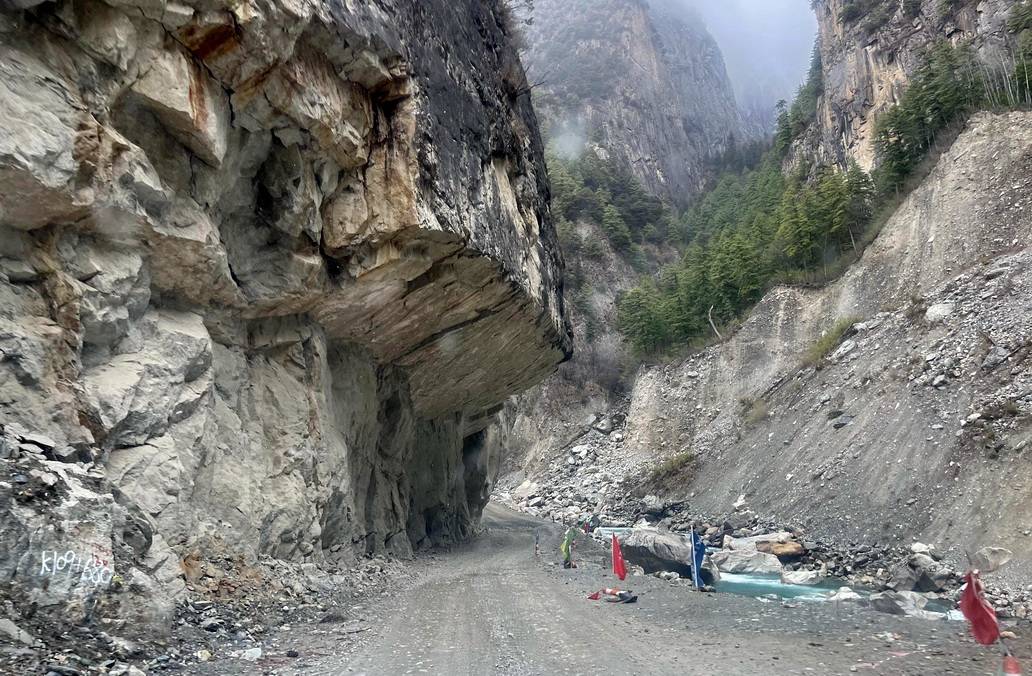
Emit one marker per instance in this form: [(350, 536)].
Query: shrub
[(754, 411), (827, 343), (671, 472), (592, 248)]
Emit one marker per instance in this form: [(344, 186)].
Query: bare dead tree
[(713, 324)]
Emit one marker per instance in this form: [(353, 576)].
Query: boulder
[(760, 542), (939, 312), (748, 562), (932, 575), (902, 578), (658, 551), (738, 520), (991, 559), (910, 604), (844, 594), (803, 577), (889, 602), (653, 505), (787, 550), (15, 633), (527, 489), (843, 350)]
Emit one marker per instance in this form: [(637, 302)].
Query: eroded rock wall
[(269, 269)]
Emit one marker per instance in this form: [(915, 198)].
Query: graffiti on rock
[(92, 569)]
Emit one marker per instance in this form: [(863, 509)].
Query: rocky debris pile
[(585, 479), (234, 608)]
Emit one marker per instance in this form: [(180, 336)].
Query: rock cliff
[(644, 81), (869, 55), (266, 272)]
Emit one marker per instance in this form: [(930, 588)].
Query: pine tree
[(615, 228)]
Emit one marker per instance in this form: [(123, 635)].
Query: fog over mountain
[(766, 46)]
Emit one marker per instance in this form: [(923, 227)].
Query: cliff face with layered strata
[(266, 270)]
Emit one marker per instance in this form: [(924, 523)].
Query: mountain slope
[(869, 56), (644, 81)]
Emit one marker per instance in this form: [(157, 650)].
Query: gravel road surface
[(491, 607)]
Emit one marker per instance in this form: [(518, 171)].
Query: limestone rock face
[(642, 80), (273, 267)]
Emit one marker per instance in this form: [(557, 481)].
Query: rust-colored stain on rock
[(211, 42), (198, 102)]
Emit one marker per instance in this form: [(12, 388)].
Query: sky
[(766, 45)]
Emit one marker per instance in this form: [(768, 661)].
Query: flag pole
[(695, 573)]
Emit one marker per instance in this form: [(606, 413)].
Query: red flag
[(595, 596), (984, 626), (618, 563)]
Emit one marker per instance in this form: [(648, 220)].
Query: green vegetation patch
[(605, 192), (827, 343), (672, 472)]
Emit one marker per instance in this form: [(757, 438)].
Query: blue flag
[(698, 554)]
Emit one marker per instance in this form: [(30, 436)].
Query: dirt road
[(492, 608)]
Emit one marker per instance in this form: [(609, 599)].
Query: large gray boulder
[(932, 575), (749, 562), (657, 551)]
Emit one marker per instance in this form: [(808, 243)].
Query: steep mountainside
[(637, 91), (266, 272), (918, 424), (640, 79), (869, 50)]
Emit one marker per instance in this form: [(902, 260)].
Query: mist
[(766, 45)]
